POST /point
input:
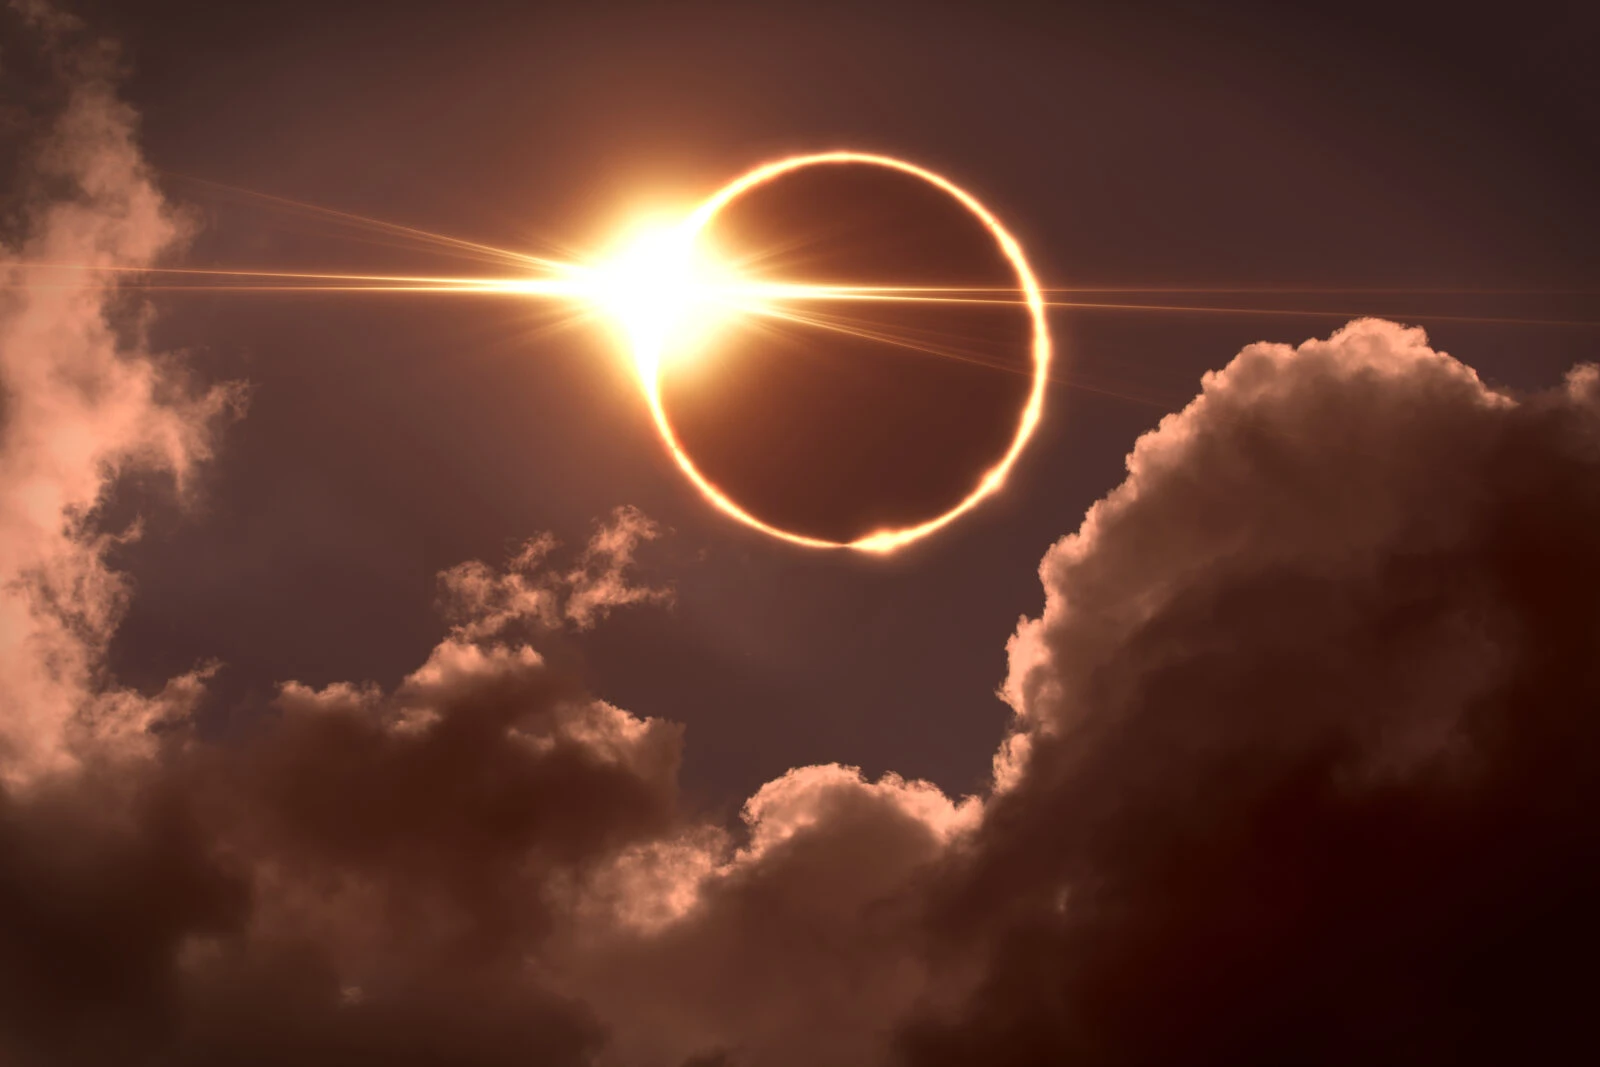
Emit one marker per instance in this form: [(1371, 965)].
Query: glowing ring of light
[(649, 362)]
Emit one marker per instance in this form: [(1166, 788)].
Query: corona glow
[(668, 284), (665, 292)]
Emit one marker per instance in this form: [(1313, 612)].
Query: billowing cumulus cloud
[(1302, 768), (1307, 734), (800, 943), (367, 876)]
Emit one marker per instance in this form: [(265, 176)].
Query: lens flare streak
[(665, 294)]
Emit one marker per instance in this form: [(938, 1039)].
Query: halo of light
[(648, 357)]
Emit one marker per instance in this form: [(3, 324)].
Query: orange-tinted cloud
[(1304, 763), (82, 402)]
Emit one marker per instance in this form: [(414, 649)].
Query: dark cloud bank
[(1303, 768)]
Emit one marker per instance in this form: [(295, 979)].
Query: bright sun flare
[(666, 293)]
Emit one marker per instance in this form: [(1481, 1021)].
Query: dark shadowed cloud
[(1305, 769)]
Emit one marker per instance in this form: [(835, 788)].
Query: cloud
[(1308, 734), (82, 403), (797, 940), (365, 877), (600, 581), (483, 602), (1302, 770)]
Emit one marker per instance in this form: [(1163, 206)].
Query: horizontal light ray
[(573, 281), (1368, 313), (562, 285), (767, 311), (1334, 290), (821, 293), (379, 225), (649, 303), (221, 288), (802, 289), (572, 284)]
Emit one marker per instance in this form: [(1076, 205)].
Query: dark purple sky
[(390, 437)]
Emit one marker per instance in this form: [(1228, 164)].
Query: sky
[(377, 690)]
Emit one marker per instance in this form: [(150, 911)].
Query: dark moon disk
[(819, 430)]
